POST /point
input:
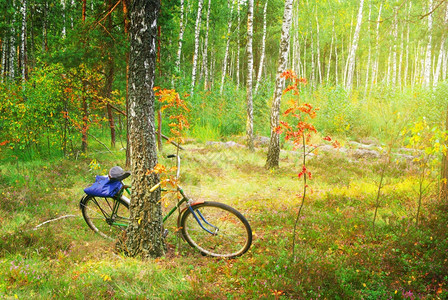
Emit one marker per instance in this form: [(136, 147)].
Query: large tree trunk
[(226, 55), (144, 234), (250, 67), (353, 48), (263, 48), (196, 45), (274, 144)]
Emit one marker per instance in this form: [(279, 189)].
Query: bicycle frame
[(198, 216)]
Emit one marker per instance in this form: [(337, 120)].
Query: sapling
[(299, 132)]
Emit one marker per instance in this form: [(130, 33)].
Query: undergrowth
[(338, 256)]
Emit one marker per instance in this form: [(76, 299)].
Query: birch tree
[(427, 65), (250, 67), (196, 45), (12, 43), (353, 48), (377, 47), (205, 52), (226, 55), (442, 51), (238, 44), (181, 35), (272, 160), (144, 234), (263, 47)]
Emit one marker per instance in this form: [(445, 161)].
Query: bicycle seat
[(117, 174)]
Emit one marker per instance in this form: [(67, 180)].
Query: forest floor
[(338, 255)]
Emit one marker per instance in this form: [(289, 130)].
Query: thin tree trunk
[(406, 68), (250, 67), (442, 50), (370, 52), (272, 160), (377, 47), (331, 53), (144, 233), (427, 65), (226, 55), (196, 46), (394, 52), (354, 47), (319, 69), (45, 28), (64, 30), (181, 35), (263, 47), (205, 52), (238, 44), (23, 48), (125, 4), (12, 46), (109, 68)]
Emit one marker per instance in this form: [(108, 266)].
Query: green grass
[(337, 256)]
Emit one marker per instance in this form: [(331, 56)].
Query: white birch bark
[(400, 62), (406, 66), (377, 47), (263, 47), (196, 46), (72, 6), (226, 55), (331, 54), (427, 65), (4, 62), (181, 35), (444, 66), (442, 51), (370, 51), (319, 69), (313, 65), (354, 47), (250, 67), (205, 53), (64, 30), (238, 44), (12, 47), (348, 54), (336, 65), (274, 144), (394, 53)]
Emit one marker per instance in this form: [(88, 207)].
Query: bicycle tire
[(233, 237), (98, 214)]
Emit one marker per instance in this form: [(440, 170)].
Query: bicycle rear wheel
[(106, 216), (216, 229)]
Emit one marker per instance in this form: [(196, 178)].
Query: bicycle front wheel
[(216, 229), (108, 217)]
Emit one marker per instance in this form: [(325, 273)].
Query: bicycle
[(214, 228)]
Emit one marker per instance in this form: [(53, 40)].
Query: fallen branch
[(52, 220), (172, 142)]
